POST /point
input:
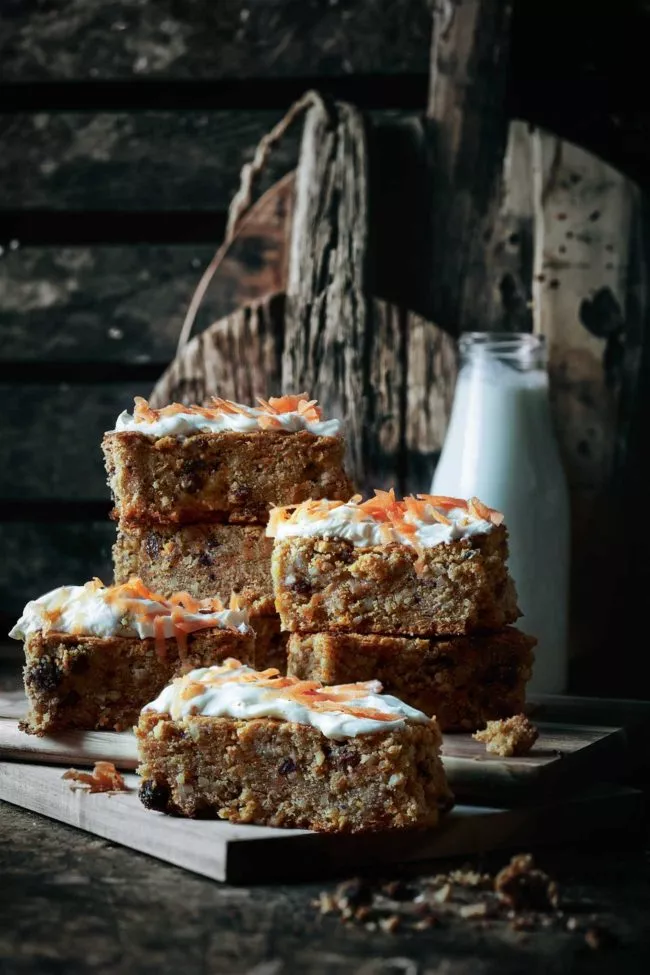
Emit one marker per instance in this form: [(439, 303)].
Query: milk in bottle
[(500, 447)]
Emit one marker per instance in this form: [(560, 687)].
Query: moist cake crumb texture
[(415, 592), (257, 747), (508, 736)]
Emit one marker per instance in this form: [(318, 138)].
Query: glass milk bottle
[(500, 447)]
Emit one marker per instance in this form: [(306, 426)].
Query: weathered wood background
[(123, 128)]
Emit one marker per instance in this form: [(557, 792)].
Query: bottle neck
[(520, 351)]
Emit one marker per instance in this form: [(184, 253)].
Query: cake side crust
[(330, 585), (220, 477), (278, 773), (462, 681), (205, 560), (87, 682)]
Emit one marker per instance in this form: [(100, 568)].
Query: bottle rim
[(505, 341), (522, 350)]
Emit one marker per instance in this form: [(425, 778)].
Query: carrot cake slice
[(255, 747), (204, 560), (222, 463), (464, 681), (95, 654), (423, 566)]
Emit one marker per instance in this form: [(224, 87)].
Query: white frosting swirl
[(184, 424), (90, 610), (226, 695), (347, 521)]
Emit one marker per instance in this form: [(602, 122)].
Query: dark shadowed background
[(123, 129)]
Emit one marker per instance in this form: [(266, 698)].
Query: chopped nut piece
[(443, 895), (471, 878), (473, 910), (598, 938), (390, 924), (522, 886), (352, 893), (103, 778), (509, 736)]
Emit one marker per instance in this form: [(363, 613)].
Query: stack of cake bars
[(413, 593), (192, 505)]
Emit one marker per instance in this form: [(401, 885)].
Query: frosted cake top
[(288, 414)]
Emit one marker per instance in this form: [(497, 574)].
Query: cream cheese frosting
[(129, 610), (289, 414), (422, 522), (237, 691)]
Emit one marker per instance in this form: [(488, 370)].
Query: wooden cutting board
[(245, 854), (564, 754), (582, 740)]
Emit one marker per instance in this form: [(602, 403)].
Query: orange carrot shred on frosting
[(387, 511), (309, 693), (274, 407)]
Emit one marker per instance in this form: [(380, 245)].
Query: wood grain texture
[(238, 358), (509, 257), (588, 252), (104, 304), (467, 104), (53, 435), (151, 160), (327, 323), (38, 557), (191, 39), (224, 851), (562, 757)]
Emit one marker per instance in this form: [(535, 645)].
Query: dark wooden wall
[(123, 128)]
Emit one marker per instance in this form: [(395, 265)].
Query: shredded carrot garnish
[(266, 414), (387, 512), (310, 693), (103, 778)]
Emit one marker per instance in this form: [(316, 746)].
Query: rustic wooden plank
[(563, 756), (98, 304), (327, 321), (38, 557), (122, 39), (509, 258), (431, 367), (52, 435), (469, 59), (152, 160), (126, 304), (238, 357), (587, 253), (234, 853)]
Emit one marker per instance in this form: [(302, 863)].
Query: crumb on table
[(508, 736), (103, 778), (522, 886)]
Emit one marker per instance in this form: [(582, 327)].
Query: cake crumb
[(598, 938), (473, 910), (103, 778), (390, 924), (524, 887), (508, 736)]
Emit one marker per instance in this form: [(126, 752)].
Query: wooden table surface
[(72, 903)]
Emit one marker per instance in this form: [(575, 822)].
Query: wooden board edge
[(223, 852)]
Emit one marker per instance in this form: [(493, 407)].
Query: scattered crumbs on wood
[(508, 737), (103, 778), (520, 896), (522, 886)]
